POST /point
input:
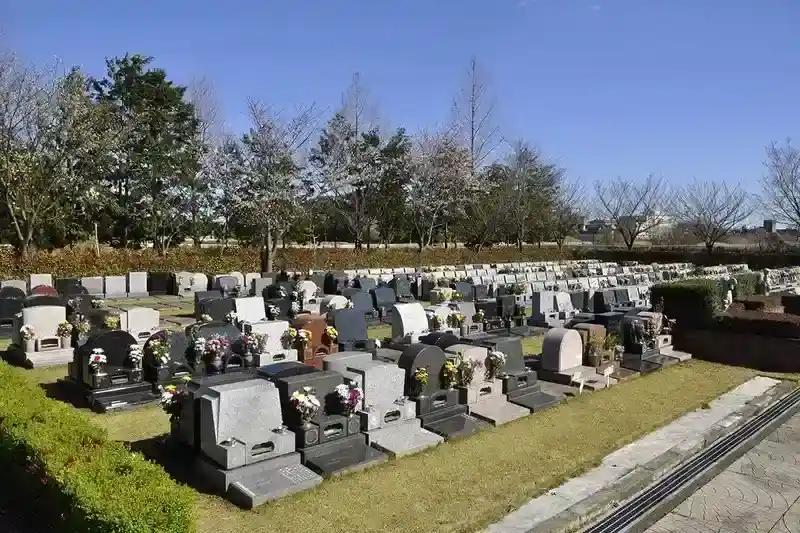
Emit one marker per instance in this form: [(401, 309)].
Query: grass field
[(459, 486)]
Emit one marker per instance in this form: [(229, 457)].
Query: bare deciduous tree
[(440, 166), (568, 211), (781, 183), (634, 208), (711, 210), (51, 134), (270, 192)]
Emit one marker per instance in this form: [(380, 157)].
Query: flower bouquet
[(135, 355), (64, 332), (232, 317), (349, 304), (289, 337), (420, 380), (331, 334), (479, 316), (494, 365), (98, 304), (96, 360), (82, 327), (272, 312), (436, 322), (111, 321), (160, 350), (253, 344), (456, 320), (449, 375), (206, 318), (350, 397), (305, 404), (303, 336), (172, 402), (466, 370), (27, 332)]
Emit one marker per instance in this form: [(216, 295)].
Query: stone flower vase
[(215, 365), (247, 360), (464, 330), (65, 342), (30, 345)]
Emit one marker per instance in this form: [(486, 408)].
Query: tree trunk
[(709, 247), (266, 250), (519, 243), (446, 234)]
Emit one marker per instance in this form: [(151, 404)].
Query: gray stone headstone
[(140, 322), (259, 285), (562, 349), (115, 287), (34, 280), (16, 283), (341, 361), (241, 424), (248, 282), (93, 285), (137, 284)]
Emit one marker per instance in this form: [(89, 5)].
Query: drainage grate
[(640, 505)]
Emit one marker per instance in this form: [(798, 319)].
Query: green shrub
[(760, 302), (746, 284), (70, 262), (692, 302), (760, 323), (90, 484)]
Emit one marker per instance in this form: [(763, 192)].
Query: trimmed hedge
[(757, 260), (83, 481), (695, 302), (80, 261), (761, 323)]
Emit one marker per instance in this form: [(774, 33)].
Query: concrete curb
[(595, 506)]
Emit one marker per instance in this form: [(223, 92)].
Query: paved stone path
[(759, 493)]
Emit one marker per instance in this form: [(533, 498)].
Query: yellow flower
[(171, 388)]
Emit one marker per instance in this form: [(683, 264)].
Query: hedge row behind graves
[(68, 469), (695, 302)]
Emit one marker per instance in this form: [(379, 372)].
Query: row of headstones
[(781, 279)]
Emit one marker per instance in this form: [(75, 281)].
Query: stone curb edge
[(607, 499)]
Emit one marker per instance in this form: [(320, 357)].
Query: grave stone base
[(441, 413), (138, 295), (640, 364), (669, 351), (59, 356), (526, 331), (487, 402), (253, 485), (402, 439), (624, 374), (550, 320), (341, 456), (115, 398), (114, 295), (524, 390), (593, 380)]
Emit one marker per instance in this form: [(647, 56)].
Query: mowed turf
[(464, 485)]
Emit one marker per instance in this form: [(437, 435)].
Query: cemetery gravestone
[(137, 285), (35, 280), (362, 301), (167, 368), (159, 283), (562, 360), (94, 285), (320, 345), (388, 418), (115, 287), (140, 322), (250, 463), (437, 408), (45, 347), (15, 284), (118, 382), (351, 327)]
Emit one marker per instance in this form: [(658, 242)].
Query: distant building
[(770, 226)]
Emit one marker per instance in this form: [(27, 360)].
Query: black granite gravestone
[(384, 298), (217, 308), (363, 302), (37, 300), (176, 367), (8, 308), (118, 383), (365, 283), (437, 408), (12, 292), (402, 288), (465, 290), (278, 308), (440, 339), (351, 325), (160, 283), (68, 286)]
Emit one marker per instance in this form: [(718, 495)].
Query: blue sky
[(684, 88)]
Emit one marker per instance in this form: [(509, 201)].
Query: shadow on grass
[(65, 392), (177, 459)]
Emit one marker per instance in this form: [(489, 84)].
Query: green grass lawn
[(465, 483)]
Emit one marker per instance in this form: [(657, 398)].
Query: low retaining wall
[(769, 354)]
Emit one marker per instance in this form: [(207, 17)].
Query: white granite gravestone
[(184, 283), (307, 290), (93, 285), (251, 310), (333, 302), (45, 348), (115, 287), (275, 351), (34, 280), (562, 349), (340, 361), (137, 285), (239, 280), (563, 304), (409, 321), (16, 283), (248, 283), (140, 322)]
